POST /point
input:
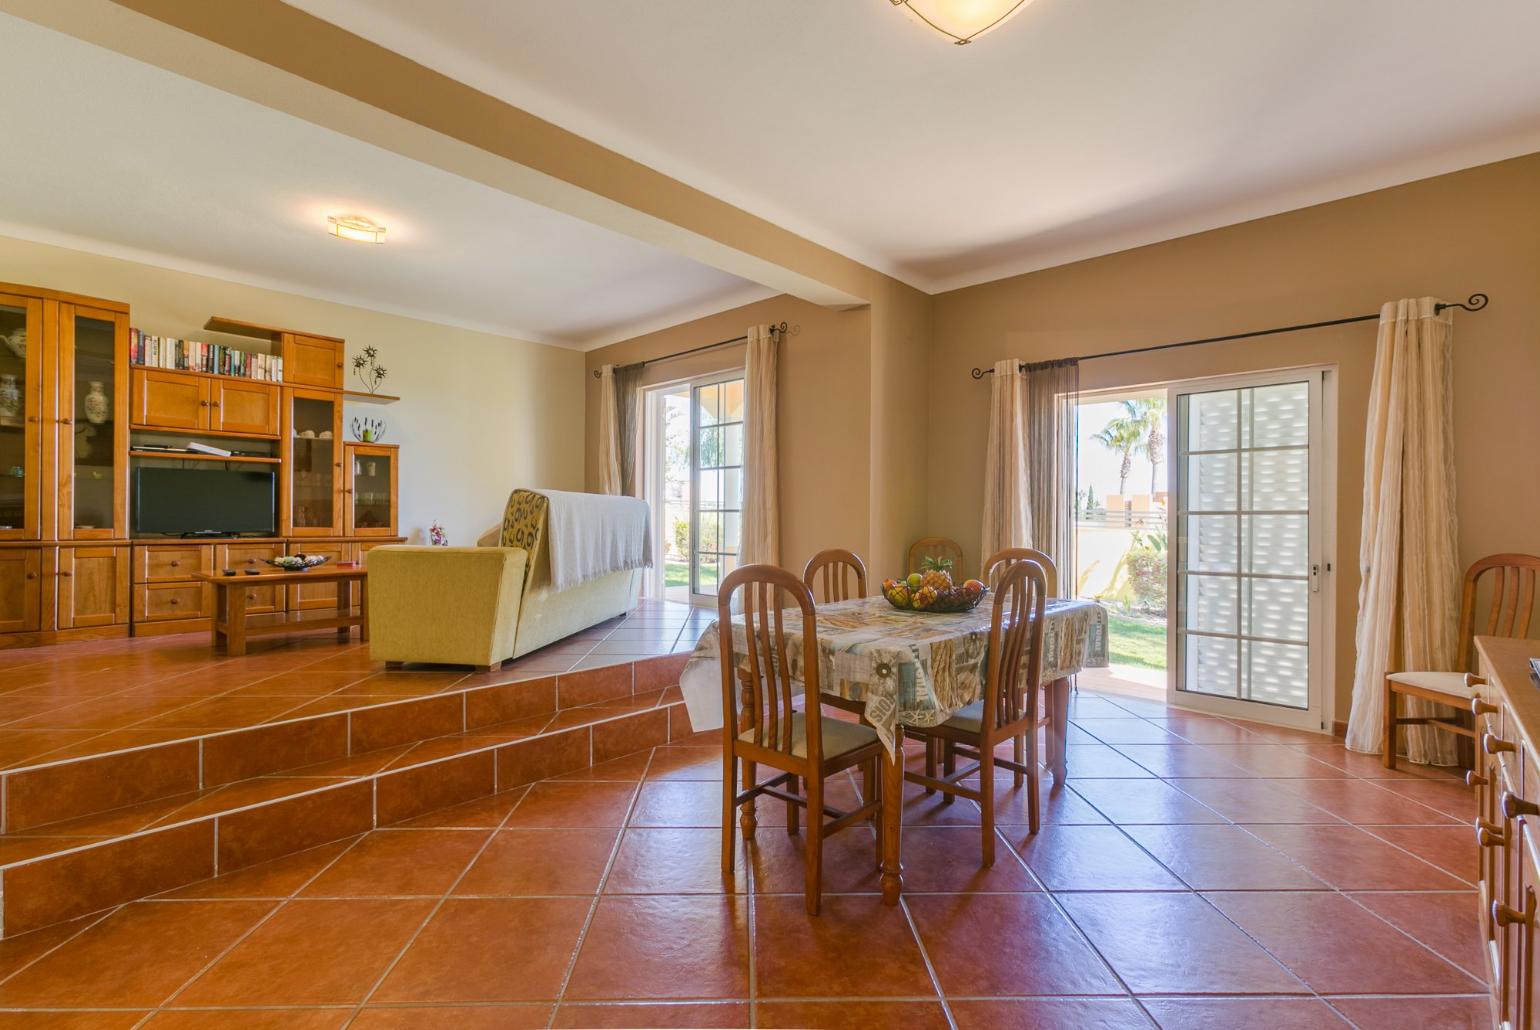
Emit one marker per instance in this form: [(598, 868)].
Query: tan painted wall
[(1477, 229), (824, 412), (479, 414)]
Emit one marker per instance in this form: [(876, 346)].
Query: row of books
[(198, 356)]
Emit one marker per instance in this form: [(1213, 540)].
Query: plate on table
[(298, 562)]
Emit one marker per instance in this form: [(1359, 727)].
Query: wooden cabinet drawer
[(245, 556), (268, 598), (171, 561), (21, 574), (160, 601)]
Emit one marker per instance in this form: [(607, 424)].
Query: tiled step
[(87, 834)]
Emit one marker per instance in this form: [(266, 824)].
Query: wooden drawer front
[(21, 580), (158, 602), (267, 598), (93, 586), (171, 561), (318, 595), (312, 361), (245, 556), (245, 407), (168, 400)]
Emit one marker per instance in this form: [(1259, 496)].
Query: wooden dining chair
[(831, 575), (1511, 607), (1007, 711), (1003, 559), (761, 728), (936, 547)]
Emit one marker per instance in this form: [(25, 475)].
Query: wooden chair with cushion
[(936, 547), (1009, 708), (1512, 604), (760, 726), (837, 572)]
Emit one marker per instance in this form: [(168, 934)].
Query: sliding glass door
[(1252, 547)]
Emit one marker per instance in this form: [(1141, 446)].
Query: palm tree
[(1123, 435), (1152, 413)]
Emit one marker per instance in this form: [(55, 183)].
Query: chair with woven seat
[(938, 547), (760, 726), (835, 575), (1009, 708), (1512, 604)]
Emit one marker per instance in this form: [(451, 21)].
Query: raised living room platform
[(135, 766)]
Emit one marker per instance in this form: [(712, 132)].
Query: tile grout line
[(604, 879)]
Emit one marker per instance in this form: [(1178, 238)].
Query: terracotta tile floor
[(1224, 877), (80, 699)]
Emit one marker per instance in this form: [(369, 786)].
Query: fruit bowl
[(932, 592), (298, 562)]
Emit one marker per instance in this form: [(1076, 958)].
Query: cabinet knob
[(1494, 745), (251, 597), (1475, 779), (66, 573), (1480, 707), (1504, 915), (174, 600), (251, 561), (66, 422), (213, 404), (1490, 835), (1515, 806), (34, 418), (176, 563), (31, 575)]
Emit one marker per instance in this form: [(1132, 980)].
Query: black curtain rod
[(1475, 302), (781, 328)]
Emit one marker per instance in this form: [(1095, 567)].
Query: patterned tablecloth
[(908, 667)]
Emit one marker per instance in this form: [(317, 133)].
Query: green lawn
[(676, 574), (1137, 643)]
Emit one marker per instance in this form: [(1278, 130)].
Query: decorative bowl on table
[(931, 590), (298, 562)]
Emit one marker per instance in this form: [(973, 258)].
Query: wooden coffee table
[(231, 621)]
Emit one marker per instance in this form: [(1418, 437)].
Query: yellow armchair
[(448, 605)]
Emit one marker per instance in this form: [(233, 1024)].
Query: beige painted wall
[(1449, 236), (824, 412), (479, 415)]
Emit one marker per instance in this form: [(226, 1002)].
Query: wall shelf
[(362, 397), (199, 456)]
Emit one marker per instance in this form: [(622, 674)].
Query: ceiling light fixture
[(356, 228), (962, 21)]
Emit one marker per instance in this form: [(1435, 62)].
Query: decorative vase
[(10, 396), (98, 408)]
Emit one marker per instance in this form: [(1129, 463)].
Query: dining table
[(901, 668)]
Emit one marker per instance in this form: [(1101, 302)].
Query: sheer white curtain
[(1053, 393), (609, 434), (1007, 513), (761, 539), (1409, 595)]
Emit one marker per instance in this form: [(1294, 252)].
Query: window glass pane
[(1278, 608), (1278, 416), (95, 356), (710, 489), (732, 489), (1211, 543), (732, 444), (1211, 420), (1212, 482), (1277, 480), (732, 525), (1211, 666), (708, 534), (1276, 545), (709, 400), (732, 401), (1212, 603), (14, 392), (1278, 673), (709, 448)]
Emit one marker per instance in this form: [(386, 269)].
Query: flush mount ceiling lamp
[(962, 21), (356, 228)]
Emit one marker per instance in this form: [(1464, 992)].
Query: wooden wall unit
[(71, 410), (1507, 782)]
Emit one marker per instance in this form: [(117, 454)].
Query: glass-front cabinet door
[(313, 440), (21, 395), (93, 423), (369, 499)]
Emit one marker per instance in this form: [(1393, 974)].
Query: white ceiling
[(104, 153), (1081, 127)]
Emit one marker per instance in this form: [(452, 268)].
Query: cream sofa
[(483, 605)]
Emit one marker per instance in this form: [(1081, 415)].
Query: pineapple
[(936, 573)]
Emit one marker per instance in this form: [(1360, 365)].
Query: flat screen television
[(196, 500)]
